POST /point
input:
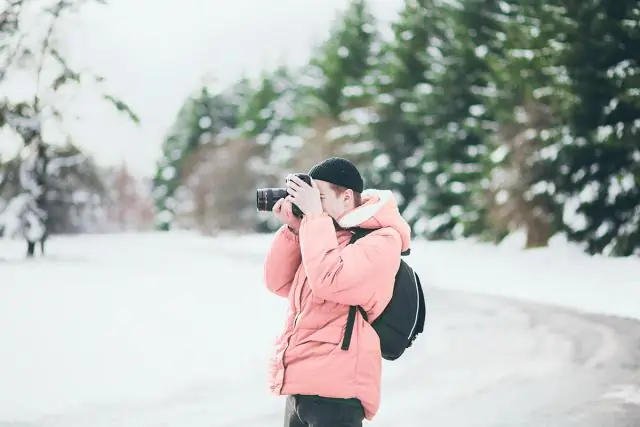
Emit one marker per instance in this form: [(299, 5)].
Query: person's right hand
[(283, 210)]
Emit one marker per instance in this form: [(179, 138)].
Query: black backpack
[(403, 318)]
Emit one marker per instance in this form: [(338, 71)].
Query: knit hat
[(340, 172)]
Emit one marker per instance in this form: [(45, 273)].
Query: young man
[(311, 263)]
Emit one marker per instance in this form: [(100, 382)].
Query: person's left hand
[(305, 196)]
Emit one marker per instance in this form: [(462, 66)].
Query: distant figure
[(312, 263), (23, 218)]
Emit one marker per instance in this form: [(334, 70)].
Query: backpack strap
[(359, 233), (351, 318)]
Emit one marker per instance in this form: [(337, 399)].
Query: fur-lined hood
[(379, 209)]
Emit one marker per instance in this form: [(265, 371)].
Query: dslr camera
[(267, 197)]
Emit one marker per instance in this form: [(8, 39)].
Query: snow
[(23, 123), (112, 318), (109, 328), (344, 131), (56, 164), (561, 275), (21, 215)]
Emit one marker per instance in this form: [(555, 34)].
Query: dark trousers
[(315, 411)]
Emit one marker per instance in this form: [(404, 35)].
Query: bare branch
[(121, 106)]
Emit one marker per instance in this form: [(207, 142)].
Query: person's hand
[(283, 210), (303, 195)]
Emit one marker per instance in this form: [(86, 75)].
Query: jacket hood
[(378, 210)]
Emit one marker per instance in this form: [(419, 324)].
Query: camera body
[(266, 198)]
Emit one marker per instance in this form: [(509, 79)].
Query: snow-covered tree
[(598, 167), (50, 190), (270, 121), (399, 128), (336, 106), (30, 51), (205, 118), (270, 118)]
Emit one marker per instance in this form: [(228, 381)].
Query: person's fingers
[(288, 207), (292, 185), (277, 207), (297, 181)]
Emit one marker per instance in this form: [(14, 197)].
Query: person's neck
[(337, 226)]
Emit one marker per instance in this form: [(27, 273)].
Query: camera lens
[(266, 198)]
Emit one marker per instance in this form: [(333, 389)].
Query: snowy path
[(113, 333)]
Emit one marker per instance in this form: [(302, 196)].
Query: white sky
[(154, 52)]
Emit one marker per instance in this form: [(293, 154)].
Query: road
[(482, 362), (514, 364)]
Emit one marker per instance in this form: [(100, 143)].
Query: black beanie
[(340, 172)]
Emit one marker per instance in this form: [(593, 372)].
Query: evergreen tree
[(270, 121), (485, 118), (525, 97), (600, 171), (455, 161), (344, 59), (335, 104), (183, 138), (270, 118), (30, 113), (204, 118), (399, 130)]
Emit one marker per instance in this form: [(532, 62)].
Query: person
[(311, 262)]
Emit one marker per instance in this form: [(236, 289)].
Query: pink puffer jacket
[(321, 276)]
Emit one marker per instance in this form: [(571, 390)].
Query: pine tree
[(204, 118), (344, 59), (270, 118), (455, 158), (335, 105), (183, 138), (600, 166), (525, 97), (399, 130)]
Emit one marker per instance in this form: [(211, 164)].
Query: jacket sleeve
[(353, 275), (283, 260)]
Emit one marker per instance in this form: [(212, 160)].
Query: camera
[(267, 197)]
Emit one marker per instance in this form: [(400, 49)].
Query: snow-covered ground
[(560, 275), (115, 322)]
